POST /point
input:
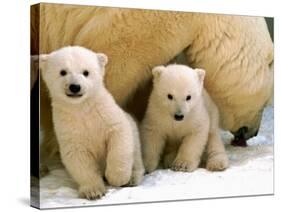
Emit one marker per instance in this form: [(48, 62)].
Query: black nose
[(178, 117), (74, 88)]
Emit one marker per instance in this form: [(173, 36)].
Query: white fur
[(96, 137), (181, 143), (235, 51)]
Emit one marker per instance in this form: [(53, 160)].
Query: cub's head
[(177, 89), (73, 74)]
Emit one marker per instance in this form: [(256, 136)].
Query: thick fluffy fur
[(236, 52), (96, 137), (181, 119)]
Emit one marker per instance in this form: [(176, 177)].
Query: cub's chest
[(177, 132), (178, 129), (85, 124)]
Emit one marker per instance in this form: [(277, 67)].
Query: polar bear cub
[(181, 119), (96, 137)]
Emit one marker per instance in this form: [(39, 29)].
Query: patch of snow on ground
[(250, 173)]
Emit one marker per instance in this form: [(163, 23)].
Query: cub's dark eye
[(170, 96), (86, 73), (63, 72), (188, 98)]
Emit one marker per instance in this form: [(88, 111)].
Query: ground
[(250, 173)]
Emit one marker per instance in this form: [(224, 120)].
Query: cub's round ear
[(156, 71), (102, 58), (43, 57), (201, 74), (42, 61)]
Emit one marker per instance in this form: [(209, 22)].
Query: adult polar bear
[(235, 51)]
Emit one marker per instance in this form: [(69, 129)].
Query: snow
[(250, 173)]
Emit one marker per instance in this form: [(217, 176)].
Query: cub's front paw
[(118, 177), (184, 165), (217, 162), (92, 191)]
